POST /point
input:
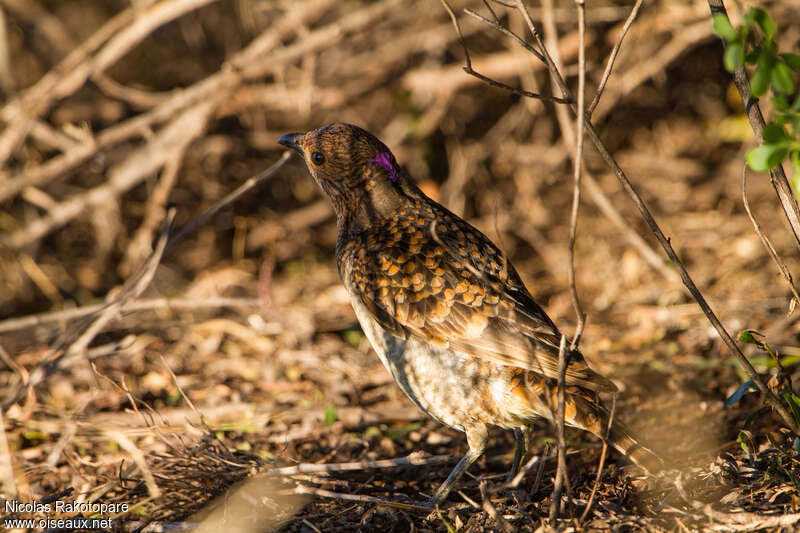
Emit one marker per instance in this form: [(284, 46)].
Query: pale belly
[(451, 387)]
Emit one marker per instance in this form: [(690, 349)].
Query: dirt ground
[(237, 390)]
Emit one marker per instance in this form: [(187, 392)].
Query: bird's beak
[(292, 140)]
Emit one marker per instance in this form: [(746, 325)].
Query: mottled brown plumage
[(441, 305)]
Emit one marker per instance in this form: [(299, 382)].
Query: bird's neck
[(370, 206)]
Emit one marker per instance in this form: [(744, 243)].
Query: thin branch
[(468, 62), (496, 25), (613, 56), (561, 472), (461, 40), (602, 462), (665, 243), (765, 240), (229, 198), (776, 175), (578, 160), (489, 7), (516, 90), (150, 304)]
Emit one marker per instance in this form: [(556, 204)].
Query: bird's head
[(354, 168)]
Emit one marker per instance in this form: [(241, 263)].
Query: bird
[(445, 310)]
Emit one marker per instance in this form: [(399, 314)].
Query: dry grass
[(175, 103)]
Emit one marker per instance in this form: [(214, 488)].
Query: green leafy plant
[(329, 415), (752, 44), (781, 383)]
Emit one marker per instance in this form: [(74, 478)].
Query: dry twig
[(766, 242), (577, 163), (613, 56), (415, 459), (562, 477), (304, 489)]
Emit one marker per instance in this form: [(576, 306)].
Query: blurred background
[(113, 110)]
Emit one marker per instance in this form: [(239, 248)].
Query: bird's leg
[(522, 440), (477, 436)]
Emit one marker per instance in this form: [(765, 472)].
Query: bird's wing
[(438, 278)]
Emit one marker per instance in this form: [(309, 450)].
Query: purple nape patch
[(385, 160)]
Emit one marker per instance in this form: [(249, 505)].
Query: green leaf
[(793, 60), (764, 22), (722, 27), (330, 415), (774, 134), (794, 405), (796, 103), (758, 85), (782, 80), (780, 103), (734, 56), (751, 57), (746, 336), (763, 158), (741, 438)]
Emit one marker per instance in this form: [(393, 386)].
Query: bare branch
[(468, 62), (765, 240), (602, 462), (496, 25), (561, 472), (613, 56), (305, 489), (230, 198), (577, 162), (516, 90)]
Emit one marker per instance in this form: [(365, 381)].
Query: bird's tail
[(588, 414), (582, 409)]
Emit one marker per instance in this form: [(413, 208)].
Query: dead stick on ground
[(304, 489), (150, 304), (7, 482), (777, 176), (490, 509), (415, 459), (766, 242)]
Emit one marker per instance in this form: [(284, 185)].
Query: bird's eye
[(317, 158)]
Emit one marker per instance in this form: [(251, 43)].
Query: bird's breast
[(454, 388)]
